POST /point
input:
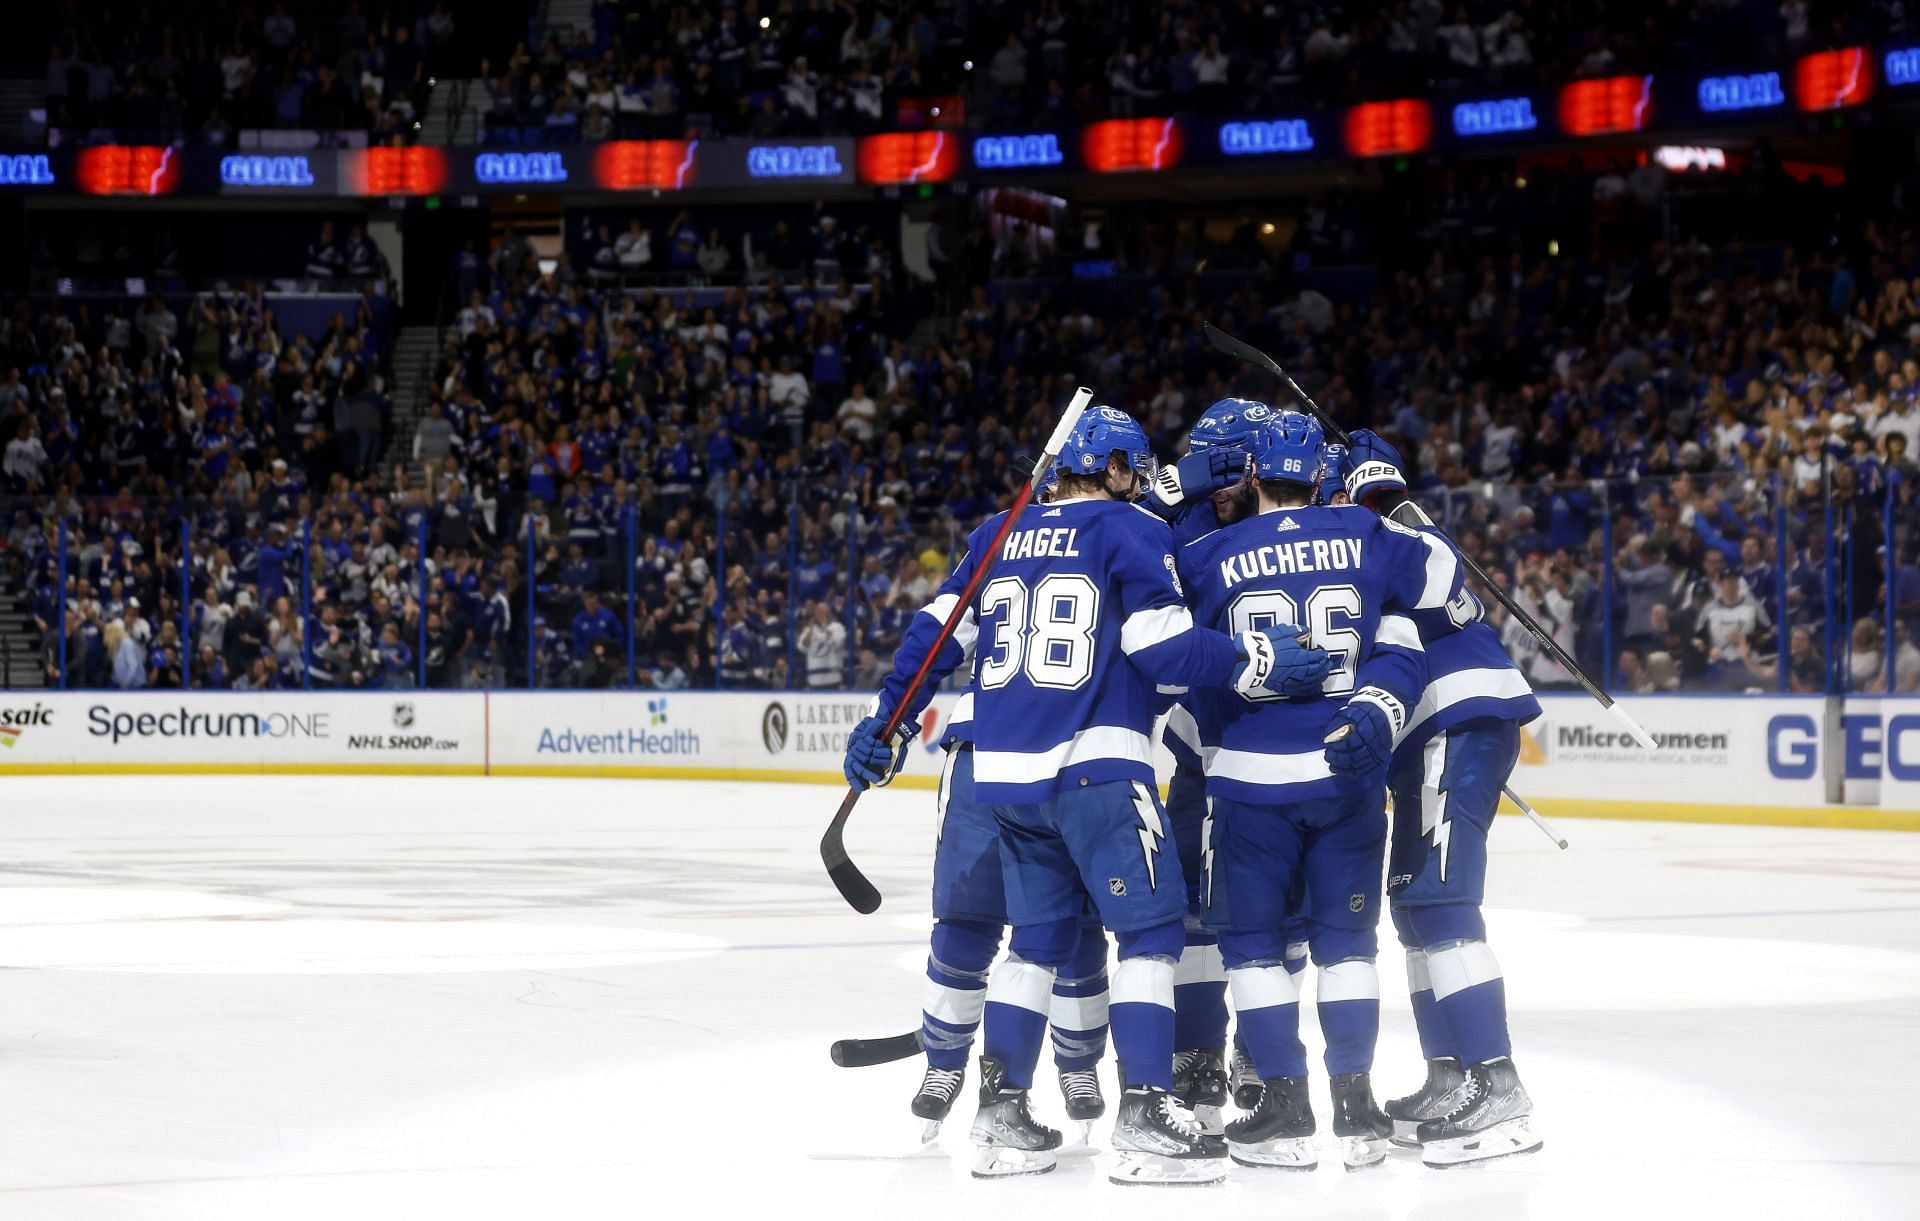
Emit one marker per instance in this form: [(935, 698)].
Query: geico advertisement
[(1877, 742), (1708, 750), (732, 731), (239, 728)]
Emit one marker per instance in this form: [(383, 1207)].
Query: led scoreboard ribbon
[(287, 170)]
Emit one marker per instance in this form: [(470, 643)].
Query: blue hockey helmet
[(1292, 447), (1330, 482), (1229, 422), (1100, 433)]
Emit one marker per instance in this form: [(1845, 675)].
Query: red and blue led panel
[(1606, 105), (644, 165), (1387, 129), (1831, 80), (1127, 146), (909, 156), (128, 169), (419, 170)]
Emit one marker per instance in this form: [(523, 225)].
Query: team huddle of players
[(1302, 654)]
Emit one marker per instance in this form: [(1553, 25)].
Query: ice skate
[(1159, 1141), (1008, 1140), (1441, 1093), (1362, 1127), (1246, 1081), (1279, 1132), (1200, 1083), (1085, 1103), (938, 1088), (1494, 1118)]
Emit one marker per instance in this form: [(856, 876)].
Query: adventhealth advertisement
[(738, 733)]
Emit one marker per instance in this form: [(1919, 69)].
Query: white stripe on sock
[(1021, 983), (954, 1006), (1143, 981), (1418, 980), (1200, 964), (1461, 966), (1355, 979), (1078, 1012), (1262, 987)]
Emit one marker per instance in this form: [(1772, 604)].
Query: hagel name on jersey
[(1280, 559), (1035, 544)]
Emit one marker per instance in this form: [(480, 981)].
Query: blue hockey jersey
[(1469, 676), (1078, 624), (1335, 572)]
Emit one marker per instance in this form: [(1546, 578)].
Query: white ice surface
[(380, 998)]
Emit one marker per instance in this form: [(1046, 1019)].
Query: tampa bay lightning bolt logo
[(1151, 833)]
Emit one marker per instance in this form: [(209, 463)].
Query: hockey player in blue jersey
[(1296, 787), (969, 899), (1080, 622), (1448, 769), (1206, 489)]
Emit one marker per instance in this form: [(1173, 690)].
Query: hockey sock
[(1347, 994), (955, 993), (1016, 1020), (1199, 995), (1436, 1042), (1142, 1016), (1471, 996), (1078, 1013), (1266, 1000)]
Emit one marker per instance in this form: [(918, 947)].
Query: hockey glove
[(1279, 660), (1361, 741), (1371, 471), (1195, 476), (872, 762)]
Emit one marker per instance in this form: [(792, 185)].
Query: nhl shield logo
[(1117, 887), (402, 715), (1357, 903)]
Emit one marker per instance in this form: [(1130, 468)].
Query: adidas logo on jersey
[(1286, 524), (1051, 513)]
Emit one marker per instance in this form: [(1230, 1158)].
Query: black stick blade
[(865, 1053), (853, 886)]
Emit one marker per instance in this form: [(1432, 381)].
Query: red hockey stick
[(853, 885)]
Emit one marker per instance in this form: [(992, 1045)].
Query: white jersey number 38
[(1046, 631)]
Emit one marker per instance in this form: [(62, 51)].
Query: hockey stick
[(1254, 356), (1534, 814), (865, 1053), (853, 885)]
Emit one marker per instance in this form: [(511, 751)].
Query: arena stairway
[(19, 640), (23, 111), (414, 352), (456, 113)]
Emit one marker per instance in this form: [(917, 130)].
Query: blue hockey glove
[(1361, 740), (1371, 471), (1195, 476), (872, 762), (1279, 660)]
